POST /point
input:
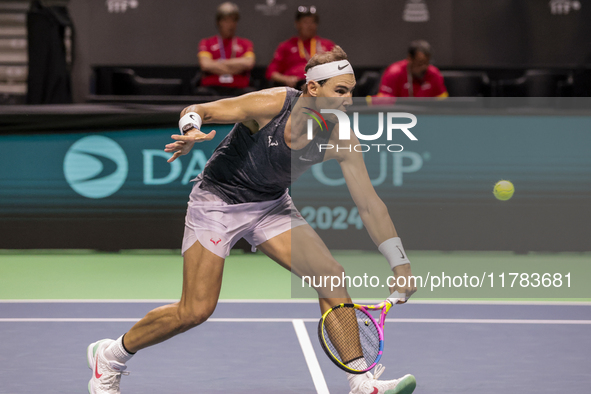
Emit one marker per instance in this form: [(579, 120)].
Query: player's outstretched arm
[(372, 210), (374, 214), (259, 107)]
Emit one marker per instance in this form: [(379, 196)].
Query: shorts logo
[(215, 242), (95, 167)]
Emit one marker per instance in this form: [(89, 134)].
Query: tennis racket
[(351, 337)]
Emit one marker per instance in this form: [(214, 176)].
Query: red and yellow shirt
[(394, 82), (231, 48), (291, 56)]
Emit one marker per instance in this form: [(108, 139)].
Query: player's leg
[(303, 252), (202, 279)]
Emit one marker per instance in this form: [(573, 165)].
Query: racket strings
[(352, 337)]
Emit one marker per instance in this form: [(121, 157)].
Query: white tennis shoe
[(106, 375), (369, 384)]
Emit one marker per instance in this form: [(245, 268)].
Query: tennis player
[(242, 193)]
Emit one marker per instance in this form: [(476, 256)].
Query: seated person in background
[(427, 81), (225, 60), (291, 56)]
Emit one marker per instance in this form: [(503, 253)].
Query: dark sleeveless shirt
[(248, 167)]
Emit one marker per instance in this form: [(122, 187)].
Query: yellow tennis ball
[(503, 190)]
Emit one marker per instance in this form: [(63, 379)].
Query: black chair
[(581, 82), (257, 82), (537, 83), (126, 82), (257, 78), (467, 83), (368, 84)]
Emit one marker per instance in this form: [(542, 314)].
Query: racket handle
[(395, 297)]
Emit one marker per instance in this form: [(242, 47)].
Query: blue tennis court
[(257, 348)]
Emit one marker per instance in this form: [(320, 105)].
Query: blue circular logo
[(95, 167)]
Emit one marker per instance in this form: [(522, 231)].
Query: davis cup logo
[(95, 167)]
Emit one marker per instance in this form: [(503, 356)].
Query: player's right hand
[(184, 143), (409, 287)]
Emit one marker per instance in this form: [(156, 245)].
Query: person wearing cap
[(242, 192), (427, 80), (225, 60), (291, 56)]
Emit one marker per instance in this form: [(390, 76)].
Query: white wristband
[(393, 251), (191, 120)]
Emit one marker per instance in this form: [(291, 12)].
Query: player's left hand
[(184, 143), (402, 275)]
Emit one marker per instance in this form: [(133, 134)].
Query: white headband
[(328, 70)]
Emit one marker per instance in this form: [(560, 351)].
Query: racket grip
[(396, 296)]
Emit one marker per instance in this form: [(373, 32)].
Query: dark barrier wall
[(83, 186), (464, 33)]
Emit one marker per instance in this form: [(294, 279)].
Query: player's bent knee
[(335, 270), (331, 281)]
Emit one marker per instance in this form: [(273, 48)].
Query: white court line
[(288, 320), (133, 320), (292, 301), (489, 321), (67, 320), (154, 301), (310, 356)]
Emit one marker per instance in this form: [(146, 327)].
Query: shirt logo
[(271, 142), (389, 89), (215, 242)]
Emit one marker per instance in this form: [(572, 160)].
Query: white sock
[(356, 379), (116, 352)]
